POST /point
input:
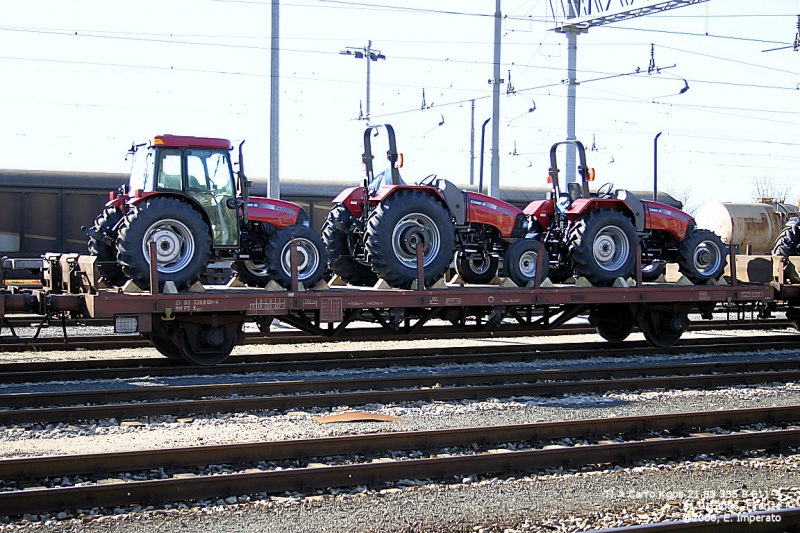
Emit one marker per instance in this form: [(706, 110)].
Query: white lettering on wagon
[(193, 306), (267, 304)]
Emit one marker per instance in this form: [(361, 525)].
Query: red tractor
[(182, 195), (373, 231), (595, 235)]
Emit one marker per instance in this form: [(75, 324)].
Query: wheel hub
[(412, 231), (610, 248), (307, 256), (527, 264), (174, 245), (706, 259)]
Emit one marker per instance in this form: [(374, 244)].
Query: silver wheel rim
[(610, 248), (256, 268), (174, 245), (706, 257), (527, 264), (479, 266), (414, 229), (308, 258)]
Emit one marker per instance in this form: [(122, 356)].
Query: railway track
[(42, 371), (379, 460), (73, 406), (110, 341)]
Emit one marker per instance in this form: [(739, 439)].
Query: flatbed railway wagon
[(203, 324)]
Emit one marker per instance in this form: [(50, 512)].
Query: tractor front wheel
[(337, 233), (478, 269), (702, 256), (601, 246), (252, 273), (398, 226), (102, 244), (183, 243), (312, 259), (521, 259)]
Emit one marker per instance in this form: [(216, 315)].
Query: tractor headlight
[(302, 218)]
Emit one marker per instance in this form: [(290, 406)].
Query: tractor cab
[(194, 168)]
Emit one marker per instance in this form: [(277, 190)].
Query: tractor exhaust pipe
[(655, 167), (244, 185)]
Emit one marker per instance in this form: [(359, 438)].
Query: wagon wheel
[(614, 322), (208, 344), (662, 329), (166, 347)]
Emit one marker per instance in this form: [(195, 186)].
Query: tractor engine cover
[(276, 212)]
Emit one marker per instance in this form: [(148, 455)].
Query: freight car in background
[(43, 211)]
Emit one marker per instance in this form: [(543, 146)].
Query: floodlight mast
[(578, 17)]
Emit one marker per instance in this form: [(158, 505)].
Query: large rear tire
[(102, 244), (336, 233), (476, 270), (400, 223), (602, 245), (521, 259), (312, 256), (702, 256), (183, 242), (788, 242)]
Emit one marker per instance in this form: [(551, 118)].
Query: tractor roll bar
[(391, 154), (582, 168)]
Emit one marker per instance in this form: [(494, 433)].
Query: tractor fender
[(388, 190), (279, 213), (133, 200), (667, 218), (541, 211), (482, 209), (352, 199), (582, 205)]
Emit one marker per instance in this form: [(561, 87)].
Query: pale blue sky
[(82, 79)]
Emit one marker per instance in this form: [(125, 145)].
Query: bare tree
[(683, 195), (765, 187)]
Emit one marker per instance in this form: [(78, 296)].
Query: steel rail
[(33, 499), (105, 342), (363, 397), (288, 387), (286, 362)]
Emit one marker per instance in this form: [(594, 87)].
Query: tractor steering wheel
[(427, 180), (606, 190)]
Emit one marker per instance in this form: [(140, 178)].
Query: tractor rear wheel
[(336, 232), (311, 256), (601, 246), (102, 241), (521, 259), (788, 242), (702, 256), (252, 273), (399, 225), (477, 270), (183, 242)]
